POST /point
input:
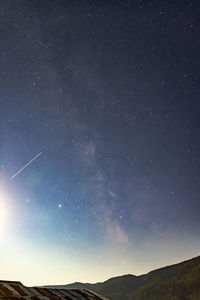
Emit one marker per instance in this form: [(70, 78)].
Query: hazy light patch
[(5, 212), (116, 234), (56, 264), (60, 264), (27, 259), (36, 266)]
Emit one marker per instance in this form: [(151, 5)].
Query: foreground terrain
[(15, 290), (178, 282)]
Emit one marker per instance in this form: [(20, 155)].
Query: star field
[(108, 91)]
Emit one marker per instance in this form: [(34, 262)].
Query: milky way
[(108, 91)]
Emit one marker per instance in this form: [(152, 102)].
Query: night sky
[(108, 91)]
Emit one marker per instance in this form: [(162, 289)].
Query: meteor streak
[(25, 165)]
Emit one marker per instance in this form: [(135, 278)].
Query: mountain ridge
[(167, 282)]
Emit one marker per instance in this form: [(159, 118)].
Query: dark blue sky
[(108, 91)]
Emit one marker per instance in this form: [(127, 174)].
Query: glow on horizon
[(5, 212), (51, 263), (27, 260), (58, 264)]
